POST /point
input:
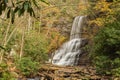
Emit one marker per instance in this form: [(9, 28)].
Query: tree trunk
[(22, 43)]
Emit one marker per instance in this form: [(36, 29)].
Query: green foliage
[(116, 64), (5, 74), (20, 6), (36, 46), (102, 62), (27, 66), (1, 47), (3, 5), (106, 50)]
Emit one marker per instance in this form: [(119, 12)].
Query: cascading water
[(69, 53)]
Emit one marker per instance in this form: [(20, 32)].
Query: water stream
[(69, 53)]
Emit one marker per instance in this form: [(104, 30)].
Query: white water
[(69, 53), (76, 27)]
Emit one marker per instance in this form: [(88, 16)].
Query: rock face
[(69, 54)]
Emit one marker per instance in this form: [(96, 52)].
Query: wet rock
[(84, 42)]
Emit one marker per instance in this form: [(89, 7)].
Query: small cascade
[(69, 53)]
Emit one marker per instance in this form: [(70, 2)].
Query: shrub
[(106, 50), (5, 73), (36, 47), (26, 66)]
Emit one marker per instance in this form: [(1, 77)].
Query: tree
[(18, 6), (106, 50)]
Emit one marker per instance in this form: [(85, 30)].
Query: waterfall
[(69, 53), (76, 27)]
